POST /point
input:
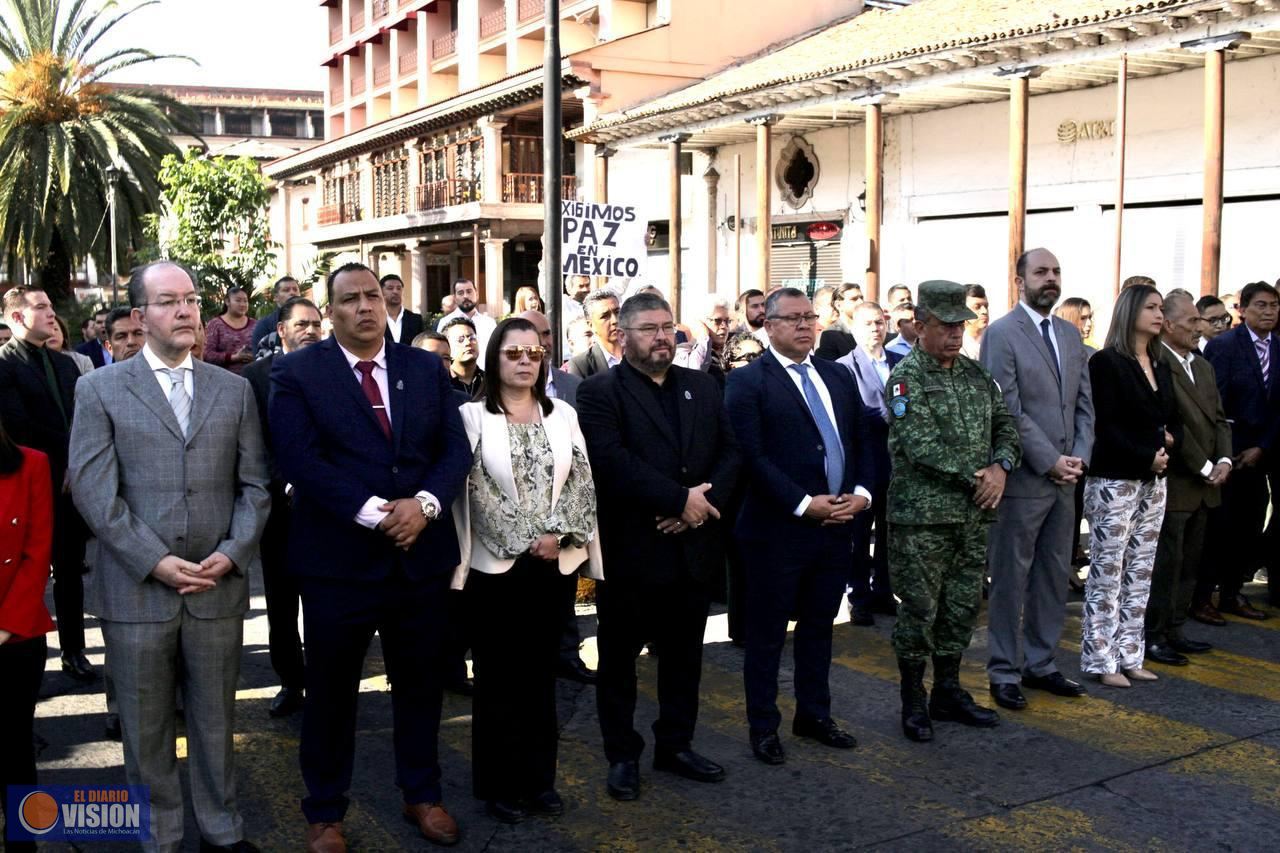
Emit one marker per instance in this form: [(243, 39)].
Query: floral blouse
[(508, 527)]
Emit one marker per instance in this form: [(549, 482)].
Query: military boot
[(951, 702), (915, 714)]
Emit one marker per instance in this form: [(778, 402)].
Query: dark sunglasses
[(514, 353)]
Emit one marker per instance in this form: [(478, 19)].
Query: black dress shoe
[(1160, 653), (825, 732), (624, 780), (286, 702), (505, 811), (688, 764), (465, 687), (860, 614), (1055, 683), (768, 748), (576, 670), (1189, 647), (112, 727), (1009, 696), (76, 665), (241, 846), (546, 804)]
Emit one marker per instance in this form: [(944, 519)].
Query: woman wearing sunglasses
[(526, 520)]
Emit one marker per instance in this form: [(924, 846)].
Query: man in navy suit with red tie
[(369, 438), (800, 421)]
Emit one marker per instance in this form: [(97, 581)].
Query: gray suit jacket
[(1053, 420), (566, 386), (1206, 435), (146, 492), (869, 384)]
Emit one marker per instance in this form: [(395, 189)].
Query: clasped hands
[(988, 486), (835, 509), (188, 577), (404, 521), (1067, 470), (697, 509)]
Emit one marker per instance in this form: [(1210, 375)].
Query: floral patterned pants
[(1124, 528)]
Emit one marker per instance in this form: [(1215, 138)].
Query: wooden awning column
[(1122, 122), (1211, 241), (873, 174), (603, 153), (1019, 97), (674, 141), (764, 197)]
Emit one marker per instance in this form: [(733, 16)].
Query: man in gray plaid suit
[(168, 469)]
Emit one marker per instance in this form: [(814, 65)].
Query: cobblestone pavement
[(1191, 762)]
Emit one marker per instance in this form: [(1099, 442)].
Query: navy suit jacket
[(410, 327), (1252, 408), (329, 446), (93, 349), (783, 453)]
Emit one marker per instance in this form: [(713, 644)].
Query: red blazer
[(26, 539)]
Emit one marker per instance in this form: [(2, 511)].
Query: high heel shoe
[(1113, 679), (1141, 674)]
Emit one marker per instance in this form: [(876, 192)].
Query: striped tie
[(179, 400), (1264, 358)]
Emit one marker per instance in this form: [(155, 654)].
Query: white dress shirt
[(369, 514), (159, 368), (825, 396), (1053, 336), (1207, 468), (395, 324)]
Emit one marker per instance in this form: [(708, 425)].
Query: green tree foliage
[(61, 128), (215, 219)]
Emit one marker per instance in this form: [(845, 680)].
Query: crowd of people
[(386, 476)]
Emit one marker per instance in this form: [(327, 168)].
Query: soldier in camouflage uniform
[(952, 442)]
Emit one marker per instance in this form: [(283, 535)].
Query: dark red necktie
[(373, 395)]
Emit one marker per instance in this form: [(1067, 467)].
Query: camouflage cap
[(944, 300)]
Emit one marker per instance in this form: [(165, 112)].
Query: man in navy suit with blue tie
[(1245, 364), (369, 438), (800, 424)]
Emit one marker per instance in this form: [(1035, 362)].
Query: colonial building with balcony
[(433, 164)]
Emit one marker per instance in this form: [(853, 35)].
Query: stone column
[(712, 177), (417, 281), (494, 274), (491, 134)]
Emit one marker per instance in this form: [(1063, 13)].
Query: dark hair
[(293, 304), (99, 313), (10, 454), (138, 280), (459, 281), (382, 282), (5, 326), (85, 322), (843, 290), (66, 333), (492, 392), (15, 298), (1207, 301), (275, 288), (1138, 281), (771, 304), (975, 291), (737, 342), (116, 315), (348, 267), (1252, 289), (232, 291), (641, 302), (420, 339), (746, 296), (1128, 305), (889, 293), (460, 321)]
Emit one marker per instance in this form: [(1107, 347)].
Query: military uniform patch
[(898, 406)]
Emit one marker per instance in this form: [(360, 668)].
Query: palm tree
[(62, 128)]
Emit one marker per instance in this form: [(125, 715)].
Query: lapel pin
[(399, 384), (688, 396)]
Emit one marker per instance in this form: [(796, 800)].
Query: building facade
[(433, 166)]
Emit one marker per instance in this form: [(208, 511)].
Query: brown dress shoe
[(1208, 614), (433, 822), (1242, 608), (325, 838)]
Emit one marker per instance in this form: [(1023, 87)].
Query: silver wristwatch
[(429, 509)]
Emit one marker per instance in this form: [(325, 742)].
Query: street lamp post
[(113, 180), (552, 166)]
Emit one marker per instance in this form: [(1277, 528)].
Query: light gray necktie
[(179, 400)]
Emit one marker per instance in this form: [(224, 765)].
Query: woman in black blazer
[(1135, 430)]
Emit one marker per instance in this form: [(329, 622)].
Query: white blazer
[(563, 435)]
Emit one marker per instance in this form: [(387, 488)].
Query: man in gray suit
[(1042, 368), (168, 468)]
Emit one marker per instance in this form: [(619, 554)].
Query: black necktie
[(51, 379), (1053, 353)]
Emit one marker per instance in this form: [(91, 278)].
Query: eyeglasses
[(515, 353), (650, 330), (1224, 320), (795, 319), (718, 321), (192, 301)]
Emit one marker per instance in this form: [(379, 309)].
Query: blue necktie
[(830, 438), (1053, 353)]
